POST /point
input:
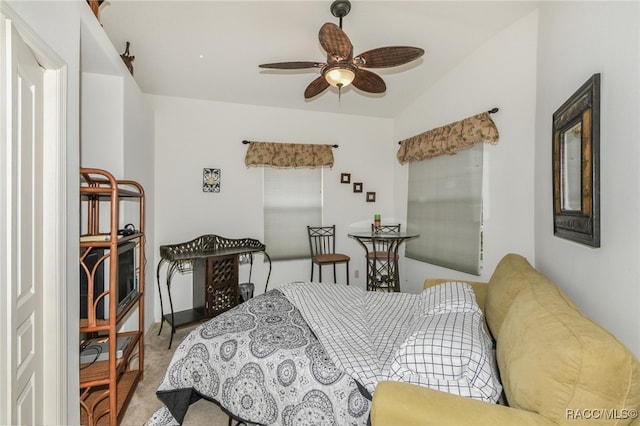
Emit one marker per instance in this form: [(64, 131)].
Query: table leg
[(162, 261), (396, 269), (170, 272)]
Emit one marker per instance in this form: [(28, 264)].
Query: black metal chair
[(322, 243), (382, 260)]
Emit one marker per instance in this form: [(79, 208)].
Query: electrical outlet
[(356, 274)]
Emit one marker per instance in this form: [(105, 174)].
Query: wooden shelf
[(106, 386), (185, 317), (97, 373), (96, 400)]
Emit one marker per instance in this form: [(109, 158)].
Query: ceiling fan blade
[(292, 65), (335, 42), (385, 57), (369, 82), (316, 87)]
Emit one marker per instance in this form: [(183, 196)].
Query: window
[(292, 200), (445, 208)]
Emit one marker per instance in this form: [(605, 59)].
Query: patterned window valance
[(288, 155), (449, 139)]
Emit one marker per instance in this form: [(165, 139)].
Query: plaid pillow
[(448, 348), (452, 296)]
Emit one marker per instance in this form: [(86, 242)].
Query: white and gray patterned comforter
[(261, 363), (313, 353)]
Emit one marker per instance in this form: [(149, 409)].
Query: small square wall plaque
[(357, 187), (210, 180), (371, 197)]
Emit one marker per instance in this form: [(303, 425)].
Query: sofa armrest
[(397, 403)]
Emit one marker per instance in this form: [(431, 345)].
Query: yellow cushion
[(555, 361), (513, 274)]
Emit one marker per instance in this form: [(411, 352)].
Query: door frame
[(56, 372)]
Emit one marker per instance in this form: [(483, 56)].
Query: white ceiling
[(211, 49)]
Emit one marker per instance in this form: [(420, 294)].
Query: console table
[(214, 262)]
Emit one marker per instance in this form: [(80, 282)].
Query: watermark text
[(601, 413)]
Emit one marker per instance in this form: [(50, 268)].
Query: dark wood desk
[(382, 265), (214, 263)]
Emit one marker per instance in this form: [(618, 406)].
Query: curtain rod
[(491, 111), (248, 142)]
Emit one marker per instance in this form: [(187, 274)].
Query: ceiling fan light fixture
[(339, 75)]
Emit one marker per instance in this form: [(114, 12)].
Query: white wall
[(576, 41), (117, 136), (193, 134), (501, 73), (101, 143), (139, 165)]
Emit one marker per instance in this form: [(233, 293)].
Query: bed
[(312, 353)]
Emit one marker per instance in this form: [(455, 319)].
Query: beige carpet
[(144, 401)]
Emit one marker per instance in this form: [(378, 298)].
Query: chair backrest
[(322, 239), (385, 228), (382, 245)]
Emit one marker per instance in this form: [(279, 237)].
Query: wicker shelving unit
[(106, 386)]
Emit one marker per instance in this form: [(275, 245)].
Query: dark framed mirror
[(576, 166)]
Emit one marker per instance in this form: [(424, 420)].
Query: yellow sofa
[(557, 367)]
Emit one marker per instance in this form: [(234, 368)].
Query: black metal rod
[(333, 146)]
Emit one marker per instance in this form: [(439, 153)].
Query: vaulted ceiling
[(211, 50)]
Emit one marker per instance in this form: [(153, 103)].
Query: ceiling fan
[(342, 68)]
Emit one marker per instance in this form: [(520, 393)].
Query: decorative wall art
[(210, 180), (370, 197)]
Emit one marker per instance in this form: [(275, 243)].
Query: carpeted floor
[(144, 401)]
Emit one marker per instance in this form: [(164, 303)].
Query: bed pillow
[(452, 296), (448, 348)]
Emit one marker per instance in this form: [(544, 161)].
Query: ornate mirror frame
[(576, 166)]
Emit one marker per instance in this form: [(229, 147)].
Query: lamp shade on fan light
[(339, 75)]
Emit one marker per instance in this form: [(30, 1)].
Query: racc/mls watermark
[(601, 413)]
